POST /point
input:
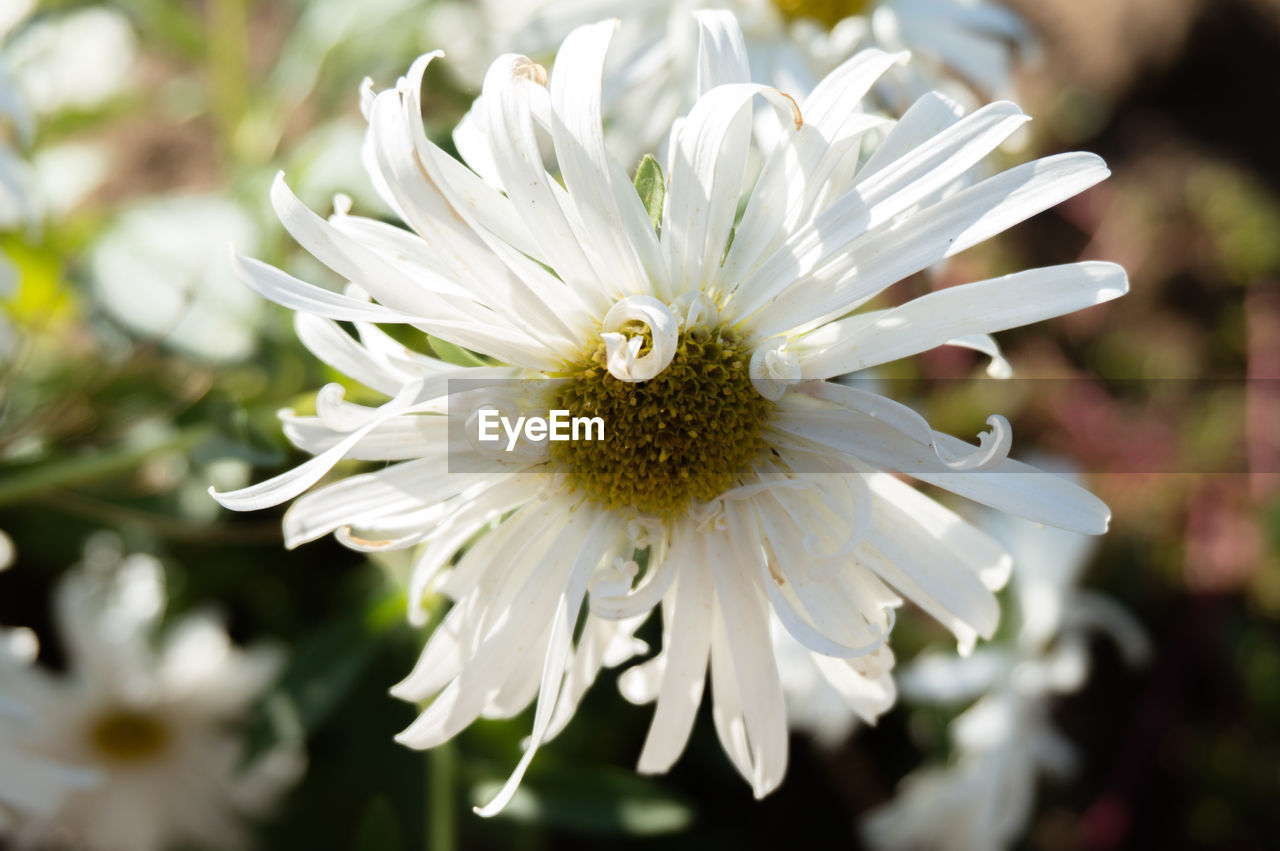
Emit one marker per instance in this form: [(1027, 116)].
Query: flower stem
[(34, 479), (228, 27), (441, 798)]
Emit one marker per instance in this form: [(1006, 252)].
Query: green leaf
[(23, 481), (379, 828), (651, 187), (450, 353), (322, 669)]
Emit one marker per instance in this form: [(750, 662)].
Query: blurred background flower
[(161, 269), (1005, 740), (151, 716)]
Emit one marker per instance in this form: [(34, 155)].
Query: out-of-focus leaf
[(170, 24), (22, 481), (322, 669), (590, 799), (42, 300), (1271, 513), (651, 187), (379, 828), (220, 447)]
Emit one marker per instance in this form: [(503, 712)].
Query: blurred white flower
[(31, 784), (12, 13), (729, 331), (328, 163), (985, 798), (66, 174), (18, 205), (964, 48), (161, 270), (968, 49), (150, 714), (76, 60)]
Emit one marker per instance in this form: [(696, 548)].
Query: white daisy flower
[(1006, 741), (747, 481), (154, 726), (76, 60), (965, 48)]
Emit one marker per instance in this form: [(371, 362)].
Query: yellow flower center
[(828, 12), (125, 735), (684, 436)]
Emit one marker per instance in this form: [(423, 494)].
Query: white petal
[(274, 285), (293, 482), (945, 678), (622, 353), (917, 175), (1010, 486), (325, 339), (508, 94), (357, 498), (924, 119), (894, 250), (589, 171), (557, 657), (686, 647), (527, 607), (979, 308), (755, 669), (722, 55), (799, 165), (706, 170)]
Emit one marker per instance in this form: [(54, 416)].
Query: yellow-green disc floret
[(684, 436), (126, 736), (829, 12)]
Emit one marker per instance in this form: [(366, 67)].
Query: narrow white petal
[(283, 289), (979, 308), (722, 54), (755, 669), (924, 119), (508, 96), (335, 347), (876, 200), (586, 165), (686, 646), (707, 166), (894, 250), (290, 484), (800, 167), (557, 658), (897, 444)]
